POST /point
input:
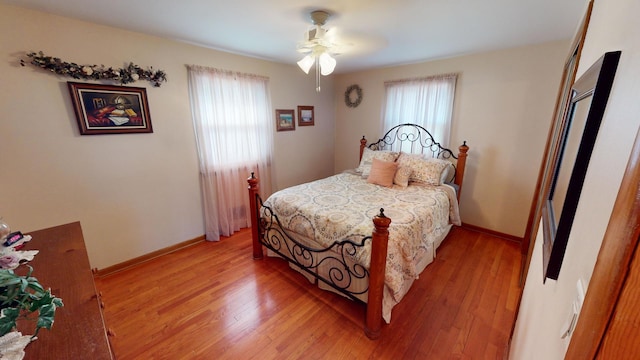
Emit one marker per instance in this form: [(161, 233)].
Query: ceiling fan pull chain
[(317, 75)]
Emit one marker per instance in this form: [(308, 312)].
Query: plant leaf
[(8, 318), (45, 318)]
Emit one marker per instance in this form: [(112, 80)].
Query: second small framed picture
[(285, 120), (305, 116)]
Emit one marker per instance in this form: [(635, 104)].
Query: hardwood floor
[(213, 301)]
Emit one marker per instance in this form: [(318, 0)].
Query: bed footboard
[(267, 231)]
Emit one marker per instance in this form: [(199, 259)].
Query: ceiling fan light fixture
[(306, 63), (327, 64), (319, 17), (318, 47)]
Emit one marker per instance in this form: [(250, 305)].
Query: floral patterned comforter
[(343, 205)]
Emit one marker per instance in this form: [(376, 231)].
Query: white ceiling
[(373, 33)]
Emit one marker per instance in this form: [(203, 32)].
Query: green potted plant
[(22, 297)]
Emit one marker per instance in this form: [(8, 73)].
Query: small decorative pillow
[(382, 172), (367, 157), (402, 176)]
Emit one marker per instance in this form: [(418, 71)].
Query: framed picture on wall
[(108, 109), (305, 116), (285, 120)]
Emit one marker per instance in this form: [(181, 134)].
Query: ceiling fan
[(318, 46)]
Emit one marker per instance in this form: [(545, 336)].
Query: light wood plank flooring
[(213, 301)]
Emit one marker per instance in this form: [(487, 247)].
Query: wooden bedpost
[(462, 161), (363, 143), (377, 269), (254, 188)]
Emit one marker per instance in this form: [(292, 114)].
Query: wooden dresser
[(62, 264)]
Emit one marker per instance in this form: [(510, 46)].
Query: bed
[(369, 232)]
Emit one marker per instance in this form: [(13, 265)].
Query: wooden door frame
[(535, 211), (612, 265)]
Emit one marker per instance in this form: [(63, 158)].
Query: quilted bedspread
[(342, 206)]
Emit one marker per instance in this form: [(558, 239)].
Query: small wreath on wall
[(348, 96)]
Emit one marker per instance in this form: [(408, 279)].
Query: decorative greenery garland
[(347, 96), (93, 72)]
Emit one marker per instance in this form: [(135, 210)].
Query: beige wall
[(545, 307), (132, 205), (503, 107), (132, 193)]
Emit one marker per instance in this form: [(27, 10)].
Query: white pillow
[(448, 174), (367, 159)]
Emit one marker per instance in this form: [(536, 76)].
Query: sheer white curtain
[(424, 101), (234, 134)]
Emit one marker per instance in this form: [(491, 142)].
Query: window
[(424, 101), (234, 133)]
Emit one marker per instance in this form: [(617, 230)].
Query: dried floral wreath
[(347, 96), (125, 75)]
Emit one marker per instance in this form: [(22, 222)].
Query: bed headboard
[(413, 138)]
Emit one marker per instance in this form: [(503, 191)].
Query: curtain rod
[(226, 72), (433, 77)]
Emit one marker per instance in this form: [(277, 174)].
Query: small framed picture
[(305, 116), (285, 120), (108, 109)]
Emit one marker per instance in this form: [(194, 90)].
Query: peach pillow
[(382, 172)]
